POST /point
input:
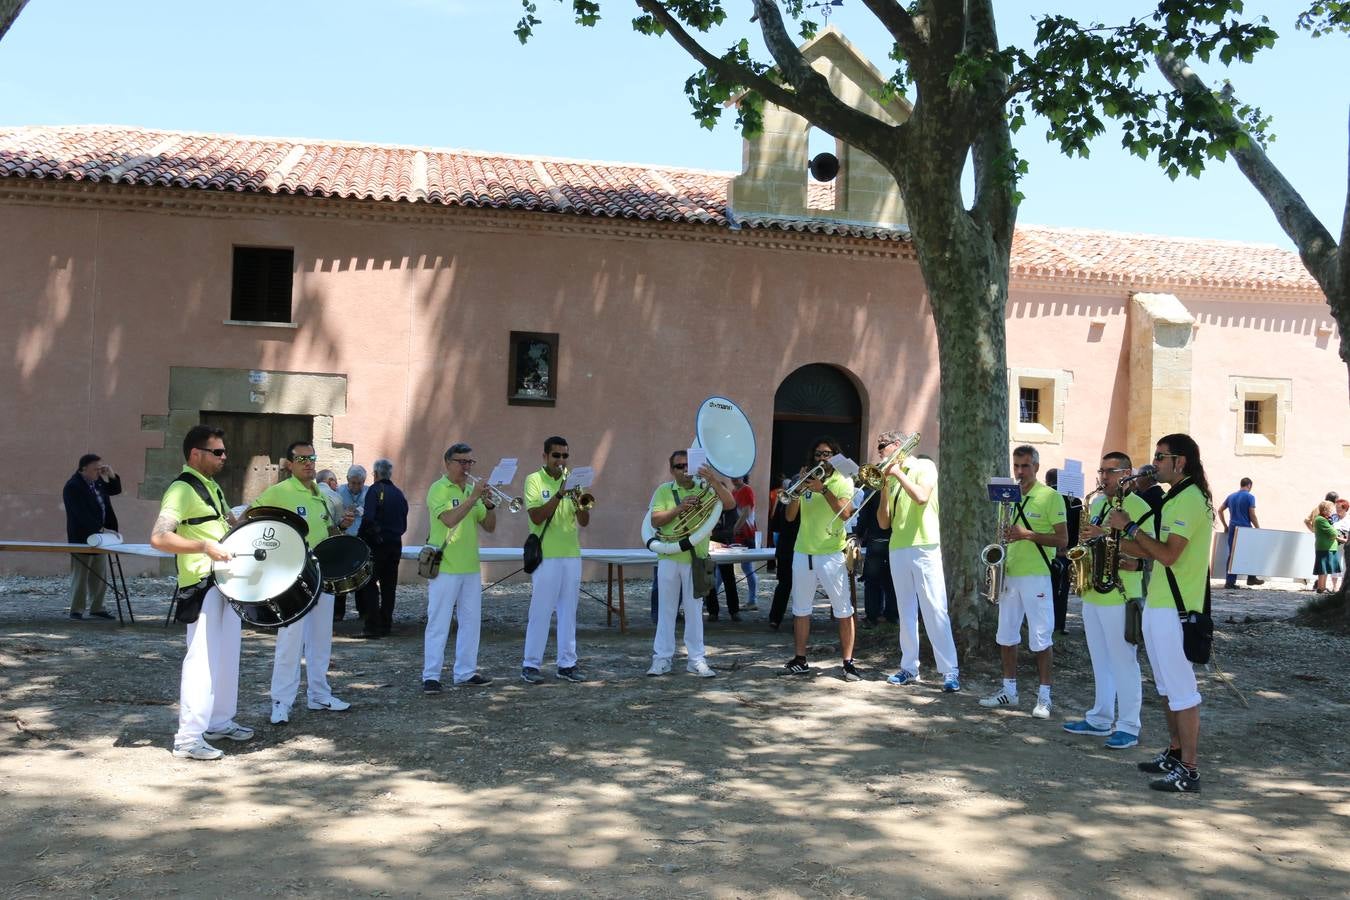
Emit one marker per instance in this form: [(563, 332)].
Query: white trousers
[(310, 639), (444, 594), (1115, 669), (208, 692), (673, 580), (826, 570), (920, 587), (1029, 597), (1172, 671), (556, 584)]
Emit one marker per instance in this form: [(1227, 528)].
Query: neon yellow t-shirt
[(668, 496), (1188, 515), (461, 550), (914, 524), (561, 540), (821, 532), (1133, 582), (181, 502), (308, 503), (1044, 509)]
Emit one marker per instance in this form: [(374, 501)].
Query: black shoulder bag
[(532, 553), (187, 601), (1197, 628)]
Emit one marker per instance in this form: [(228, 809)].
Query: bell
[(824, 166)]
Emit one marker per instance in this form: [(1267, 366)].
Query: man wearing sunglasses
[(818, 560), (556, 584), (457, 511), (674, 571), (192, 519), (312, 637)]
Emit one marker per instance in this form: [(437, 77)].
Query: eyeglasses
[(217, 452), (679, 466), (463, 462), (881, 448), (310, 458), (1159, 457), (823, 454), (1109, 471), (560, 455)]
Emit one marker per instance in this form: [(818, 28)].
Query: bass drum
[(273, 580), (345, 562)]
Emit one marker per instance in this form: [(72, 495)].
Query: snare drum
[(276, 514), (345, 562), (273, 579)]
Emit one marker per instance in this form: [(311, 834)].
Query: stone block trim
[(1161, 340)]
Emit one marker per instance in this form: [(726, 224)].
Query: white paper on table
[(104, 539), (698, 458), (582, 476), (504, 472), (843, 465)]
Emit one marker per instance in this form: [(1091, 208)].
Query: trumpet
[(795, 490), (582, 497), (499, 496)]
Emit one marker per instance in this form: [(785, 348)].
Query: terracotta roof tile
[(152, 158)]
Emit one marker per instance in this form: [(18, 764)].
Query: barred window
[(261, 284)]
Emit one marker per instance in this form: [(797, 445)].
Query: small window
[(532, 378), (1260, 406), (1251, 417), (261, 286), (1029, 404)]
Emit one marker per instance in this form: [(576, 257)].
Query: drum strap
[(200, 489)]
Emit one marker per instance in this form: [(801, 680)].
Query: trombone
[(499, 496), (873, 477)]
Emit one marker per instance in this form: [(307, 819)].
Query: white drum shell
[(246, 579)]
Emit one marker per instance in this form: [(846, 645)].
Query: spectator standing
[(1342, 523), (784, 544), (1326, 559), (879, 599), (1238, 510), (744, 534), (87, 499), (384, 521), (352, 498)]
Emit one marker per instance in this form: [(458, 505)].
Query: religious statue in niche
[(534, 365)]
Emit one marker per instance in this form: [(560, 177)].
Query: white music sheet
[(582, 476), (504, 472), (698, 458)]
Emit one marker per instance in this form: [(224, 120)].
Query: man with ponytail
[(1178, 537)]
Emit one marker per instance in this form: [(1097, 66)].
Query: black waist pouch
[(187, 601)]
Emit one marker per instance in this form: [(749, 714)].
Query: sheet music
[(504, 472), (1004, 490), (1071, 478), (582, 476), (698, 458), (843, 465)]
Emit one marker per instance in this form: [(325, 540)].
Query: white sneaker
[(232, 731), (199, 749), (332, 704), (281, 713), (1002, 698), (659, 667), (701, 669), (1042, 710)]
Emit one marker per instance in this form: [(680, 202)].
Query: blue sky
[(450, 73)]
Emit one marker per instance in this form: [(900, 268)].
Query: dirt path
[(746, 785)]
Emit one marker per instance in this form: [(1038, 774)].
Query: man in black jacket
[(382, 527), (86, 497)]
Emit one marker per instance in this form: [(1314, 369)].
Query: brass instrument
[(499, 496), (582, 497), (872, 477), (687, 521), (795, 490), (993, 556), (1094, 564)]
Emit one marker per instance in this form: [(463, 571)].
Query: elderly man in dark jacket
[(87, 498)]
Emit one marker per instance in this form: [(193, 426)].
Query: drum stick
[(259, 555)]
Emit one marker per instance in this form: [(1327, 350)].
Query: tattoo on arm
[(165, 524)]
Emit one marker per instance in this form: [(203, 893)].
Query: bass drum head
[(345, 562), (277, 514), (246, 579), (288, 607), (724, 431)]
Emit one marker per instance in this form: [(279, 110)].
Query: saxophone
[(1094, 564)]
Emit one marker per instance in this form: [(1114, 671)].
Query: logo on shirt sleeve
[(301, 511), (545, 494), (454, 504)]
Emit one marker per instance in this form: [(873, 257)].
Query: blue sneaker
[(1122, 740), (1083, 727), (951, 684), (903, 677)]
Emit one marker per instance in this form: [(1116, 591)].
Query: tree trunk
[(966, 273)]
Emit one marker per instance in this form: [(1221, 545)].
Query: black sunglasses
[(560, 455), (680, 466), (217, 452)]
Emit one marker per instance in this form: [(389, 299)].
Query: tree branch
[(814, 100), (900, 24), (1315, 243)]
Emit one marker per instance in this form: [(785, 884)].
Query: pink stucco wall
[(100, 302)]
